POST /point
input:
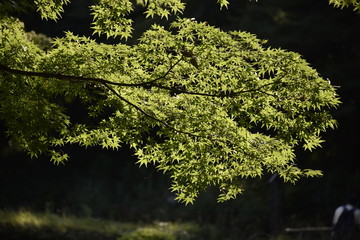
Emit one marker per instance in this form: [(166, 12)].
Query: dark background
[(108, 184)]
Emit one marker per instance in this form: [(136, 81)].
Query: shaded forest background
[(108, 184)]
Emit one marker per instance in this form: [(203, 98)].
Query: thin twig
[(149, 115), (163, 76)]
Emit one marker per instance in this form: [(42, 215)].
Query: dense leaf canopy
[(206, 106)]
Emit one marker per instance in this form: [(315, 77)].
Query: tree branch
[(108, 85), (58, 76), (85, 79), (147, 114), (143, 84)]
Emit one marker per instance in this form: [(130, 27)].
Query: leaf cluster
[(112, 18), (346, 3)]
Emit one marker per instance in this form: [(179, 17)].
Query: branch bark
[(144, 84)]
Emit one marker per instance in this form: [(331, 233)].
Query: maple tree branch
[(149, 83), (84, 79), (149, 115)]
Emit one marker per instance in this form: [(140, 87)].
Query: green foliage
[(148, 234), (52, 226), (346, 3), (207, 107), (109, 18), (36, 220), (165, 231), (163, 8), (41, 40), (223, 3), (50, 9)]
